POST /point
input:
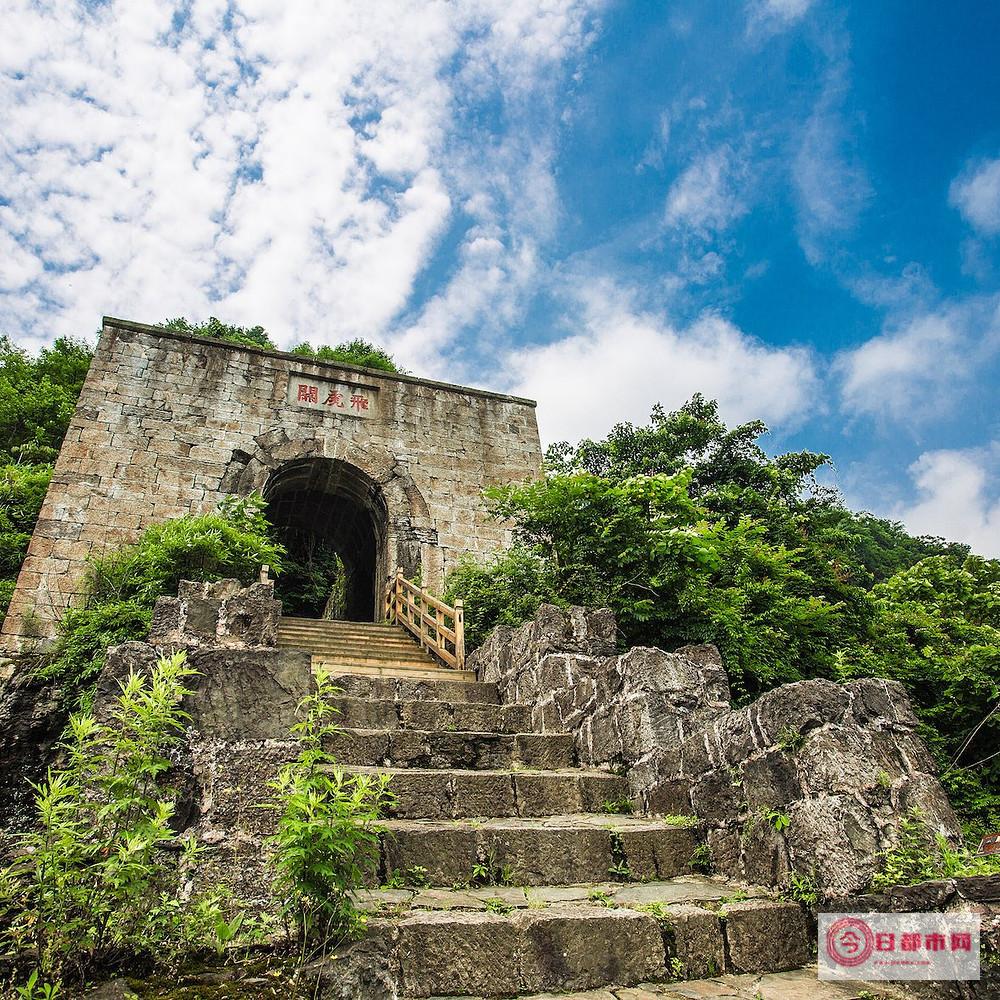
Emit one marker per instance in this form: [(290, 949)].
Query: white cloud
[(704, 197), (915, 370), (774, 15), (976, 194), (624, 360), (958, 498), (829, 179), (283, 163), (831, 185)]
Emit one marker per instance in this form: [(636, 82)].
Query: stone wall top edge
[(299, 359)]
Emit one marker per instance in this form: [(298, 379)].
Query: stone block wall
[(808, 781), (167, 425)]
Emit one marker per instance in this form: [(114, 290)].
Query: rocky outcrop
[(32, 717), (809, 781), (222, 613)]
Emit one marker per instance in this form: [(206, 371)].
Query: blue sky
[(790, 205)]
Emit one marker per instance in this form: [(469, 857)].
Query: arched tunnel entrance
[(333, 520)]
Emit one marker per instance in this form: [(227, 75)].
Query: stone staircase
[(508, 870), (362, 648)]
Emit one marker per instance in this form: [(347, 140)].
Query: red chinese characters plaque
[(332, 397)]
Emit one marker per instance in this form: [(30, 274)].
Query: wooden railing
[(428, 618)]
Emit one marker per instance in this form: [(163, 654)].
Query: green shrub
[(78, 654), (121, 588), (233, 541), (506, 591), (327, 841), (353, 352), (920, 855), (6, 593), (92, 887)]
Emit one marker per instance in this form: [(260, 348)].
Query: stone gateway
[(391, 468)]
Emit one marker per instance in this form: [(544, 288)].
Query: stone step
[(348, 645), (507, 950), (446, 685), (441, 748), (426, 793), (800, 984), (342, 666), (367, 713), (312, 626), (331, 630), (412, 657), (548, 851)]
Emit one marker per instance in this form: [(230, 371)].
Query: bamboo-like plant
[(98, 883), (327, 840)]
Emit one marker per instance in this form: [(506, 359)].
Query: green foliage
[(233, 541), (506, 591), (215, 329), (778, 820), (353, 352), (623, 806), (35, 990), (803, 889), (314, 578), (701, 860), (496, 905), (414, 877), (919, 855), (37, 398), (84, 635), (326, 844), (22, 490), (490, 871), (121, 588), (690, 532), (94, 885), (936, 629)]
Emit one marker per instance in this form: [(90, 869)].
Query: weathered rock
[(438, 950), (219, 614), (768, 936), (32, 717), (833, 766), (693, 936), (837, 839), (558, 949)]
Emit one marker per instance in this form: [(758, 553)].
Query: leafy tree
[(689, 531), (215, 329), (352, 352), (22, 490), (508, 590), (37, 397), (937, 630), (358, 352)]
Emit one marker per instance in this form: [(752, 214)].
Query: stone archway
[(334, 520)]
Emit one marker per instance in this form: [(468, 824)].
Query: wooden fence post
[(460, 634)]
